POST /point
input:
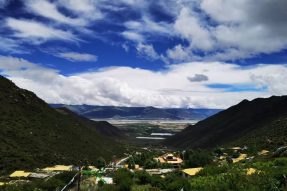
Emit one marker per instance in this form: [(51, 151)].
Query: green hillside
[(33, 135), (261, 123)]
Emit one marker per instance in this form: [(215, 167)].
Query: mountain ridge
[(247, 118), (152, 113)]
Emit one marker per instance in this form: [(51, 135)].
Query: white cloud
[(76, 56), (210, 29), (188, 26), (37, 31), (50, 10), (147, 51), (130, 35), (146, 27), (85, 9), (177, 54), (125, 47), (234, 29), (9, 45), (139, 87), (225, 11)]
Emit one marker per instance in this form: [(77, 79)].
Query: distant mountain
[(261, 122), (104, 112), (32, 134)]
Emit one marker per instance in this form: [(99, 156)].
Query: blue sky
[(181, 53)]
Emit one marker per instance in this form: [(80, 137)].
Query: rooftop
[(251, 171), (169, 158), (263, 152), (240, 158), (19, 173), (192, 171), (58, 168), (235, 148)]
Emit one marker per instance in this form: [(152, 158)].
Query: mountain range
[(32, 134), (137, 113), (261, 122)]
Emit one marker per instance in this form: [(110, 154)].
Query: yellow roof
[(93, 168), (20, 173), (192, 171), (263, 152), (163, 159), (235, 148), (58, 168), (240, 158), (251, 171)]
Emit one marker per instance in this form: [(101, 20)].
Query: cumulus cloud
[(140, 87), (76, 56), (198, 78), (235, 29), (189, 27), (177, 54)]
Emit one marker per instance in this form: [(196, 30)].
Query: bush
[(100, 163), (213, 170), (198, 158), (143, 177), (235, 154), (123, 179), (178, 184), (150, 164), (234, 181)]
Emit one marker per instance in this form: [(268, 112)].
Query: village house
[(19, 174), (170, 159), (191, 171), (58, 168)]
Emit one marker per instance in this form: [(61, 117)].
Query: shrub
[(123, 179), (198, 158), (143, 177), (100, 163)]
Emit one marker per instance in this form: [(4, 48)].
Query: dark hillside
[(102, 127), (246, 119), (32, 134)]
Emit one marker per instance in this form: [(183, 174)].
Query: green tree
[(123, 178), (143, 177), (198, 158), (100, 163)]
